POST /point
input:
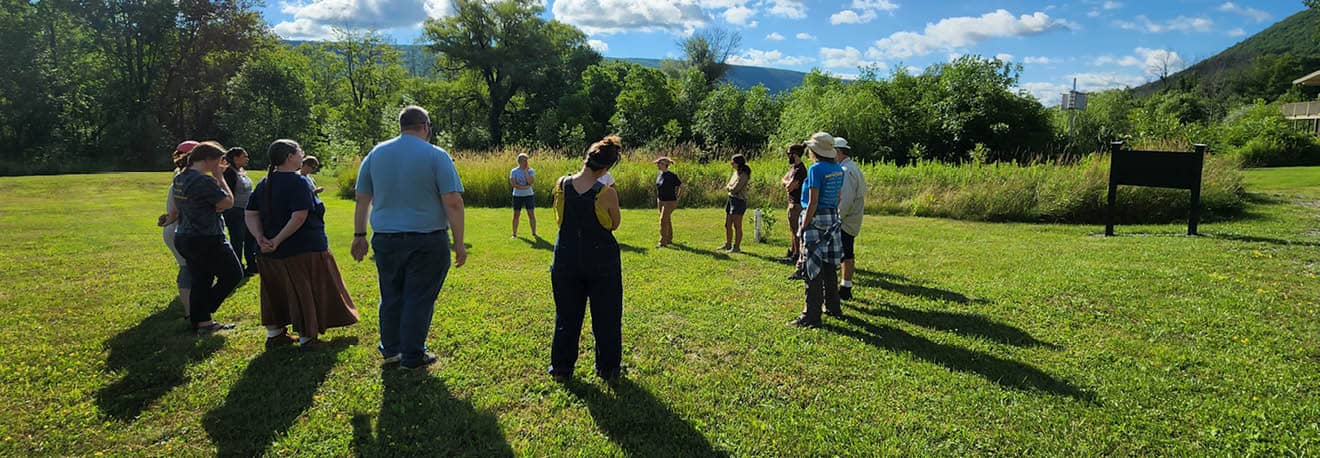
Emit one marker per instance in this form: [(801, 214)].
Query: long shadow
[(419, 416), (902, 285), (642, 425), (626, 248), (153, 354), (275, 389), (959, 323), (712, 253), (1256, 239), (1004, 372), (539, 243), (771, 259)]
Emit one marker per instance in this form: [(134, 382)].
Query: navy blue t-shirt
[(276, 198), (666, 184)]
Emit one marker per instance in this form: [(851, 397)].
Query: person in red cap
[(170, 221), (668, 188)]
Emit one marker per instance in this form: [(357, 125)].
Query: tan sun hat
[(822, 144), (664, 159), (841, 143)]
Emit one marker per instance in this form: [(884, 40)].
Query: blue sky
[(1102, 43)]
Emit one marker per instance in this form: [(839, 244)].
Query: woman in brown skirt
[(300, 282)]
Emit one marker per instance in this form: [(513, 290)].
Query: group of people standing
[(410, 193), (278, 227)]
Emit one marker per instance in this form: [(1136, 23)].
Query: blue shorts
[(521, 202)]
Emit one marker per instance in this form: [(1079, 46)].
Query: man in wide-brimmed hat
[(852, 206), (820, 231)]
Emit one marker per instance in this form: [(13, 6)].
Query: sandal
[(212, 328)]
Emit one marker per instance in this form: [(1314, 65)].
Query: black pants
[(215, 272), (822, 292), (574, 285), (244, 244)]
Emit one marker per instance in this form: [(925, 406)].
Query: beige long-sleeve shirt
[(852, 197), (737, 186)]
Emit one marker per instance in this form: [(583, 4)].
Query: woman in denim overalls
[(586, 266)]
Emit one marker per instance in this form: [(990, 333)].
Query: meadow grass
[(1068, 192), (965, 338)]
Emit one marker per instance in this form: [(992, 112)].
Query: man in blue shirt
[(413, 194), (522, 178)]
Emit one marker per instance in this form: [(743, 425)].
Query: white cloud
[(1237, 32), (599, 46), (870, 9), (960, 32), (759, 58), (1006, 57), (792, 9), (1038, 60), (1178, 24), (597, 17), (1112, 5), (805, 36), (1050, 93), (1152, 61), (1258, 15), (774, 36), (848, 57), (314, 20)]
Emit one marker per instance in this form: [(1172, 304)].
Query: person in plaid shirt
[(821, 233)]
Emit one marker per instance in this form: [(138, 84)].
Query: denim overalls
[(586, 266)]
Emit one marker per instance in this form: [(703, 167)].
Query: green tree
[(643, 107), (372, 74), (708, 51), (269, 99), (507, 43), (720, 120)]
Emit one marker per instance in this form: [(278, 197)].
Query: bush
[(1054, 192), (1260, 136)]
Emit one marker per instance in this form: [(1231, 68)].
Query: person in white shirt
[(852, 207), (522, 178)]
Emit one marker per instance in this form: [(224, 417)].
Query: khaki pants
[(666, 225), (794, 220)]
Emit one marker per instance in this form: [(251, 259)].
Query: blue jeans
[(412, 268)]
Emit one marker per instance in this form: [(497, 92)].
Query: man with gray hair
[(413, 195), (852, 207)]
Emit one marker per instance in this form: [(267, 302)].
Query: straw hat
[(822, 144), (664, 159)]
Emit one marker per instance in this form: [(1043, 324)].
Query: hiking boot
[(802, 322), (428, 359), (845, 293)]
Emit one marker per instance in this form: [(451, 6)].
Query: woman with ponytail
[(736, 206), (300, 282), (202, 195), (586, 267), (170, 221), (245, 246)]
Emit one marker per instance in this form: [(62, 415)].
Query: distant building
[(1305, 115)]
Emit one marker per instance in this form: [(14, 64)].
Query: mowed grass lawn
[(965, 339)]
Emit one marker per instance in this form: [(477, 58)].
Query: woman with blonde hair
[(586, 266)]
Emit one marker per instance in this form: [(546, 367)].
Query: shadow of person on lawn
[(712, 253), (902, 285), (967, 324), (539, 243), (1005, 372), (626, 248), (641, 424), (276, 388), (153, 356), (419, 416)]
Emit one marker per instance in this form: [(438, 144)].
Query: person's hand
[(164, 220), (267, 245), (220, 167), (460, 255), (359, 249)]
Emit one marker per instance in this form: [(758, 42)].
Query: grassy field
[(965, 339)]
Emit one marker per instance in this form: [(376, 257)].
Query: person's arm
[(740, 186), (228, 201), (609, 198), (360, 212), (531, 177), (678, 192), (453, 202), (846, 196), (295, 222), (318, 189), (253, 220), (813, 198)]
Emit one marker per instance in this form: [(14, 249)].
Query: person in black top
[(792, 181), (668, 188), (586, 266), (300, 282), (200, 235)]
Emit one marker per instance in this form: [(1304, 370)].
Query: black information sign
[(1157, 169)]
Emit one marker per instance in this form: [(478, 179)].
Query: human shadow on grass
[(640, 424), (902, 285), (967, 324), (276, 388), (712, 253), (153, 355), (539, 243), (626, 248), (1004, 372), (1257, 239), (419, 416)]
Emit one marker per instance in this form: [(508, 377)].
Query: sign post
[(1159, 169)]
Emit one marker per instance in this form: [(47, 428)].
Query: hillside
[(1298, 35)]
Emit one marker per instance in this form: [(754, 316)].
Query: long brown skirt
[(306, 291)]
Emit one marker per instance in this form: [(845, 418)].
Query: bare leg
[(531, 220), (737, 231), (728, 230), (516, 214), (185, 299)]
